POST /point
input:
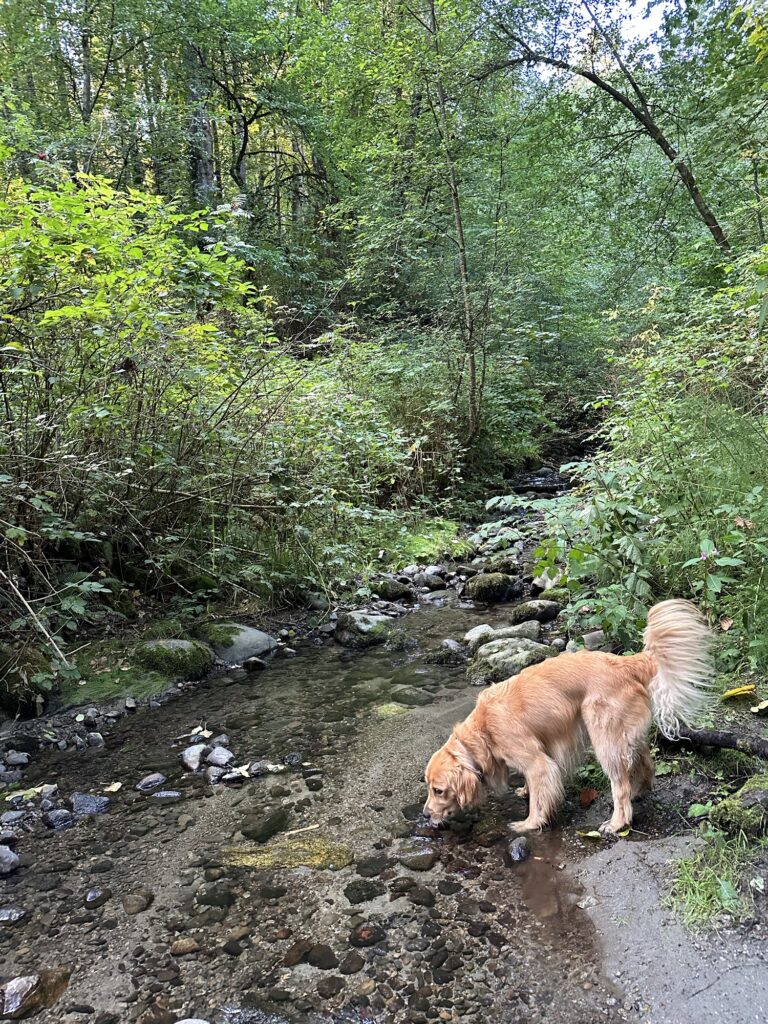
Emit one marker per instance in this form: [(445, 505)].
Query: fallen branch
[(31, 612), (724, 740)]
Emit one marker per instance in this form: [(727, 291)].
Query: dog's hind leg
[(544, 781), (642, 772), (616, 738)]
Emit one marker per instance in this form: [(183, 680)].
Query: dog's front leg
[(544, 785)]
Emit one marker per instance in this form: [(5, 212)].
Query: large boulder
[(362, 629), (501, 659), (543, 611), (176, 659), (234, 643), (391, 589), (493, 587), (746, 811)]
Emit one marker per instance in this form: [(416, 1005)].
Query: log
[(724, 740)]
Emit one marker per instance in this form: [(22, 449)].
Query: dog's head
[(454, 782)]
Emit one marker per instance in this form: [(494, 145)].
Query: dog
[(538, 722)]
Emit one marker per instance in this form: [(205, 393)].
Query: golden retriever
[(538, 722)]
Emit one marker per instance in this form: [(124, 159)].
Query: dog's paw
[(528, 825), (522, 791), (611, 828)]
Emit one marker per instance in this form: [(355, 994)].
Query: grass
[(107, 673), (714, 880), (428, 541)]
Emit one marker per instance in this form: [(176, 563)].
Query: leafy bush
[(674, 504)]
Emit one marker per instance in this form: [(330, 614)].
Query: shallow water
[(472, 938)]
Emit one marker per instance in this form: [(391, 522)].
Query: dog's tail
[(679, 643)]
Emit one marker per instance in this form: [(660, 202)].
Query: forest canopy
[(286, 284)]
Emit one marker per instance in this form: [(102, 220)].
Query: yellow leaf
[(594, 834), (740, 691)]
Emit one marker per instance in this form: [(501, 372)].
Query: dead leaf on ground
[(739, 691), (725, 623), (588, 796)]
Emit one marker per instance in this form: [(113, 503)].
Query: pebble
[(16, 758), (192, 757), (323, 957), (59, 819), (150, 782), (9, 861), (12, 817), (86, 803), (10, 915), (520, 848), (418, 859), (184, 946), (362, 890), (96, 898), (137, 902), (330, 987), (366, 935), (352, 963), (220, 757)]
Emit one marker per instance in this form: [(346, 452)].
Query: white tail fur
[(680, 642)]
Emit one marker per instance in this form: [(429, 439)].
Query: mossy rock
[(362, 629), (176, 659), (18, 693), (216, 634), (560, 594), (746, 811), (392, 590), (493, 587), (309, 851), (542, 609), (501, 659)]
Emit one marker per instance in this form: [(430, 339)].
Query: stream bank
[(308, 889)]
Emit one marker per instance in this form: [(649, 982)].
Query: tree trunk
[(201, 162)]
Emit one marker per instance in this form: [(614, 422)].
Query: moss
[(560, 594), (746, 811), (217, 634), (165, 629), (428, 541), (489, 587), (390, 710), (176, 659), (311, 851), (109, 673)]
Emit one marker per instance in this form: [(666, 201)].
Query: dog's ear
[(468, 776), (467, 786)]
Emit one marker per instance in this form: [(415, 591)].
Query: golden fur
[(538, 722)]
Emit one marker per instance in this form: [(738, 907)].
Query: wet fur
[(539, 722)]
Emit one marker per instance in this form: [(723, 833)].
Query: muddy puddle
[(314, 892)]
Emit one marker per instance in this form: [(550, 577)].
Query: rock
[(26, 996), (192, 757), (520, 848), (137, 902), (363, 890), (330, 987), (184, 946), (84, 804), (352, 963), (12, 817), (597, 641), (475, 637), (366, 935), (322, 957), (502, 659), (11, 915), (261, 828), (130, 704), (16, 758), (411, 696), (193, 1020), (220, 757), (431, 582), (176, 659), (255, 664), (391, 589), (572, 647), (235, 643), (450, 652), (9, 861), (493, 587), (96, 897), (91, 717), (746, 811), (530, 630), (59, 819), (421, 896), (418, 858), (94, 739), (434, 570), (297, 953), (150, 782), (369, 867), (361, 629), (544, 611)]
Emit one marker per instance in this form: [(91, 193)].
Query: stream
[(163, 910)]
